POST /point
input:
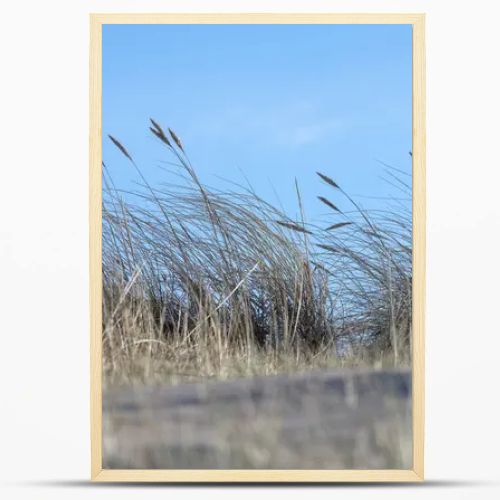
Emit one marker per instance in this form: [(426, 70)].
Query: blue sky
[(267, 102)]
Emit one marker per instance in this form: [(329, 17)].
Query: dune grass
[(203, 283)]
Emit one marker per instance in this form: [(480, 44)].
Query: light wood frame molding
[(95, 212)]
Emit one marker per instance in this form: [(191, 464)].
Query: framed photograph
[(257, 247)]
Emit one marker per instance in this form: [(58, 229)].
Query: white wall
[(43, 244)]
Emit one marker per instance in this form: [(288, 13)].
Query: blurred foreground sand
[(352, 419)]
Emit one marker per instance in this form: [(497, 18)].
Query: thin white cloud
[(311, 133), (293, 126)]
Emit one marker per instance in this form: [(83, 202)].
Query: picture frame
[(416, 473)]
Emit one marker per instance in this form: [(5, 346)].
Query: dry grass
[(203, 283)]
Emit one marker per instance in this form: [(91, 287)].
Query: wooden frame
[(415, 474)]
